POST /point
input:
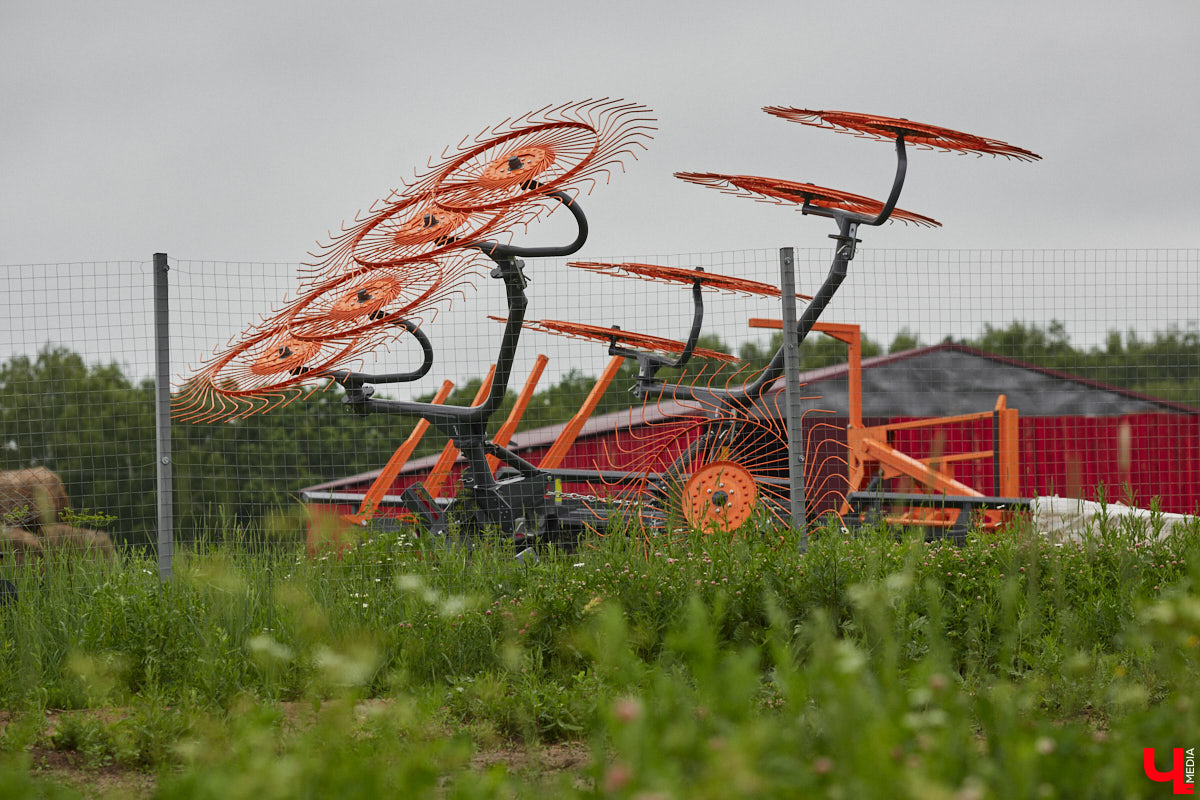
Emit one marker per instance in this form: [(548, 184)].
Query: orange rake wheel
[(518, 166), (710, 473), (890, 128), (371, 299), (640, 341), (402, 230), (654, 272), (415, 228), (687, 430), (325, 330), (549, 150), (777, 190), (266, 369)]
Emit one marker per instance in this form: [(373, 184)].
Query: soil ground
[(538, 763)]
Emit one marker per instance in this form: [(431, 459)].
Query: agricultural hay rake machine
[(712, 453)]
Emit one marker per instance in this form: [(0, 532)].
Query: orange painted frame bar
[(851, 335), (391, 469), (518, 410), (435, 482), (558, 451)]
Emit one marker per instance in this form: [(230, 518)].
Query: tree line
[(94, 426)]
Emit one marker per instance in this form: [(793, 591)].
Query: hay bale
[(17, 546), (59, 538), (31, 498)]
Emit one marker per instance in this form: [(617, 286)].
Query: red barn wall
[(1134, 457)]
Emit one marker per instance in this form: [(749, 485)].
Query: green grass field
[(875, 666)]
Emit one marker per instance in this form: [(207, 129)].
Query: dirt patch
[(551, 758), (542, 764), (68, 768)]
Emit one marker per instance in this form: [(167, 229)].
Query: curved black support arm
[(509, 267), (812, 312), (888, 207), (497, 251), (514, 285), (847, 229), (353, 381), (697, 323), (897, 183), (848, 223), (648, 363)]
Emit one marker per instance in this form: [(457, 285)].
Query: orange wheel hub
[(719, 496), (285, 356), (366, 299), (517, 167), (428, 224)]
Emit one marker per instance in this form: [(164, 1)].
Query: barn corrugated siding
[(1157, 456)]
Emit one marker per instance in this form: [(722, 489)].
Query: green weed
[(875, 665)]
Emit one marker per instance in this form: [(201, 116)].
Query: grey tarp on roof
[(948, 379)]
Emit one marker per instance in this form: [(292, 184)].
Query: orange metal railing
[(870, 452)]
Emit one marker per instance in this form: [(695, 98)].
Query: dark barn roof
[(948, 379)]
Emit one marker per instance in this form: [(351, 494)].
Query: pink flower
[(616, 777), (627, 709)]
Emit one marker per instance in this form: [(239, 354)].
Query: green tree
[(816, 351), (1166, 366), (904, 340), (89, 424)]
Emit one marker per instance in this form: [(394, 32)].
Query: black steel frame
[(517, 504)]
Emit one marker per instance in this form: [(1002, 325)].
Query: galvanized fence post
[(162, 416), (791, 377)]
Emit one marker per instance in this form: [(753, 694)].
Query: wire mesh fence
[(1097, 351), (77, 387)]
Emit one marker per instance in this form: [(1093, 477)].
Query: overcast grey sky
[(243, 131)]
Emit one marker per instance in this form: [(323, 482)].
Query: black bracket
[(870, 505)]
